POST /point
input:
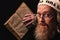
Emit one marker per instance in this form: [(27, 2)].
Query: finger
[(26, 20), (31, 14), (29, 23), (32, 17), (27, 15)]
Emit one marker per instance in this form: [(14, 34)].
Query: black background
[(7, 8)]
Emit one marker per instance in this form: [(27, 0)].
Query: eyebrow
[(44, 12)]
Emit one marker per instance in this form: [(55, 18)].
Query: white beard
[(43, 34)]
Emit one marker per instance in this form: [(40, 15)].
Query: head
[(46, 26), (46, 18)]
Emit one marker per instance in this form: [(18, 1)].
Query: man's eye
[(47, 15)]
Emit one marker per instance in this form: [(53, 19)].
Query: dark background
[(7, 8)]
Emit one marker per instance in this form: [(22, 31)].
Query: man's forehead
[(43, 8)]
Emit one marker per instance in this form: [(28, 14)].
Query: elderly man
[(46, 25)]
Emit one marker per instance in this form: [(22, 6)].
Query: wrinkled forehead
[(42, 8)]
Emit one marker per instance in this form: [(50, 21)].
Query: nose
[(42, 19)]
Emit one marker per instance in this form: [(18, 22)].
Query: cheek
[(48, 20)]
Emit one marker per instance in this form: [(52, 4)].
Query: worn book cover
[(15, 24)]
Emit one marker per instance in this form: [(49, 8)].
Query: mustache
[(43, 24)]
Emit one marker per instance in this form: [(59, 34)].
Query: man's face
[(44, 14), (45, 25)]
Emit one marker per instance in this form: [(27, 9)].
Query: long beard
[(43, 33)]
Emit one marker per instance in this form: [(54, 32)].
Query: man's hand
[(28, 19)]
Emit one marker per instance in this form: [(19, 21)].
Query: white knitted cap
[(53, 3)]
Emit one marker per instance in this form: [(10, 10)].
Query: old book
[(15, 24)]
